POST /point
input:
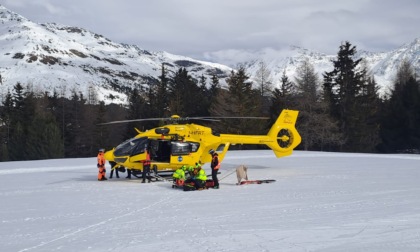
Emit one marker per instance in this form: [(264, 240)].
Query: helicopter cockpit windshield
[(130, 147)]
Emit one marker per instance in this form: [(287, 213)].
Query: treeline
[(343, 111)]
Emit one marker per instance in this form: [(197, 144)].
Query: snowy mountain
[(52, 57), (383, 65)]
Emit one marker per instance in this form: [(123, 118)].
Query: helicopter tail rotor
[(283, 134)]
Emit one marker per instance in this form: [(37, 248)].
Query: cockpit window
[(181, 148), (130, 147), (194, 146), (184, 148)]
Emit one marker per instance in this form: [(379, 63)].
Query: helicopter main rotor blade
[(179, 119), (134, 120), (237, 117), (202, 119)]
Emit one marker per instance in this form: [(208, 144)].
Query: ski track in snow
[(96, 225), (44, 169), (320, 202)]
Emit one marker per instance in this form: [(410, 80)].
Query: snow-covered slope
[(52, 57), (320, 202)]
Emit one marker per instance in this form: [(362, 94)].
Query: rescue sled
[(259, 181), (191, 187)]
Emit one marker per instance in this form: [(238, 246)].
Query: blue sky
[(218, 29)]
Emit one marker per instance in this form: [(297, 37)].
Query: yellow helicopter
[(174, 145)]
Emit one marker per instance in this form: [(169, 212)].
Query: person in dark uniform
[(128, 173), (215, 166), (112, 170)]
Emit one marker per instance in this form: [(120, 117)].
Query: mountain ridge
[(52, 57)]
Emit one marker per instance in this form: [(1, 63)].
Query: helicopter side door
[(160, 150)]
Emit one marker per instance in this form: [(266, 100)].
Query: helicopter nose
[(109, 155)]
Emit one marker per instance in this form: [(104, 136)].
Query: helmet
[(197, 165), (211, 151), (101, 150), (184, 167), (191, 168)]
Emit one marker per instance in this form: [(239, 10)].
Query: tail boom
[(282, 137)]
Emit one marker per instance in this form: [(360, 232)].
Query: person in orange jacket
[(101, 165)]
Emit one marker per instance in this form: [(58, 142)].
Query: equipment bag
[(189, 187), (209, 183)]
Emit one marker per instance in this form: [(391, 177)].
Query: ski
[(160, 178)]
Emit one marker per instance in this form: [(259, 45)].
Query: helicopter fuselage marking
[(196, 132)]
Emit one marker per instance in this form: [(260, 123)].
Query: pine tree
[(20, 117), (17, 142), (136, 108), (73, 130), (401, 116), (240, 101), (5, 125), (214, 86), (315, 125), (162, 97), (263, 79), (57, 106), (282, 97), (184, 94), (203, 107), (342, 86), (214, 97), (368, 106), (43, 136), (100, 132), (44, 139), (92, 98)]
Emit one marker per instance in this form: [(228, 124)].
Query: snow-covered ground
[(320, 202)]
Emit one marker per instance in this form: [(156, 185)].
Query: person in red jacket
[(146, 168), (101, 165)]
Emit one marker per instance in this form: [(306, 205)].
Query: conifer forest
[(341, 111)]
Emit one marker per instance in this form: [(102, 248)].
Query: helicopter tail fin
[(283, 135)]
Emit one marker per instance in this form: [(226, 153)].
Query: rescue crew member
[(101, 165), (179, 173), (200, 177), (146, 168), (190, 173), (113, 164), (215, 166), (128, 173)]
